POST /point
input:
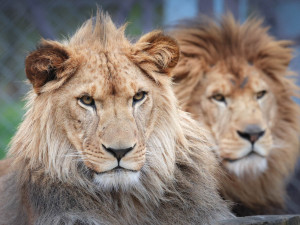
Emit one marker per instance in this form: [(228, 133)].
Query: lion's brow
[(245, 81)]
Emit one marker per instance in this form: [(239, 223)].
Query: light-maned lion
[(234, 78), (103, 141)]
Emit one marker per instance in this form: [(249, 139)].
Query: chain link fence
[(23, 23)]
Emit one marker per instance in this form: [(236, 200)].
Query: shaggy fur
[(4, 166), (219, 78), (60, 173)]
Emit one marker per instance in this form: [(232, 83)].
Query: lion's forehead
[(232, 84), (108, 73)]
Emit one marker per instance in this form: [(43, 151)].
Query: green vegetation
[(11, 116), (134, 25)]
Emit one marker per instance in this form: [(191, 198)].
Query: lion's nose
[(118, 153), (251, 133)]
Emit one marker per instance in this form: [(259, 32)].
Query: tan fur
[(239, 61), (63, 174), (5, 166)]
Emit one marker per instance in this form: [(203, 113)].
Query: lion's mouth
[(252, 153), (117, 169), (116, 178)]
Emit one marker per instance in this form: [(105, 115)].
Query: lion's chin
[(250, 166), (117, 179)]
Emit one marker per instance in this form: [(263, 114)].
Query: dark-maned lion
[(233, 78)]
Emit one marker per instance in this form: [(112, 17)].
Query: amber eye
[(139, 96), (261, 94), (219, 97), (87, 100)]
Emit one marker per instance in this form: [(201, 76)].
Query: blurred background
[(24, 22)]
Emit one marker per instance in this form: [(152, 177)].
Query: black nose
[(252, 133), (118, 153)]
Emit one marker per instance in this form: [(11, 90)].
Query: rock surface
[(264, 220)]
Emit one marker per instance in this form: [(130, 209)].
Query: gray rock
[(264, 220)]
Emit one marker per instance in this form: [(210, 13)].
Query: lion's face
[(240, 111), (108, 116), (107, 96)]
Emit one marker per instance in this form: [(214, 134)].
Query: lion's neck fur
[(59, 189)]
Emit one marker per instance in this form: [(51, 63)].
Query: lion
[(233, 78), (103, 140)]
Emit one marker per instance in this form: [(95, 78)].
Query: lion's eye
[(139, 96), (261, 94), (219, 97), (87, 100)]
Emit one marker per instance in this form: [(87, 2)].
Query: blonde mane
[(204, 43), (100, 34)]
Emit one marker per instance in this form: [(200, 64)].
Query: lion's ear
[(49, 62), (156, 52)]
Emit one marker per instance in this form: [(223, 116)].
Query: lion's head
[(104, 97), (233, 78), (240, 107)]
